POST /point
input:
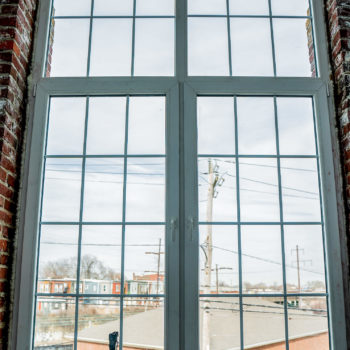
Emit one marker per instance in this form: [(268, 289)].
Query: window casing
[(182, 240)]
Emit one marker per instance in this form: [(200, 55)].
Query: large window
[(181, 190)]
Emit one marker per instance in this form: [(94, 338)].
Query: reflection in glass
[(259, 190), (263, 323), (144, 268), (113, 8), (111, 57), (219, 326), (252, 7), (256, 125), (217, 189), (100, 258), (66, 126), (248, 37), (293, 48), (295, 117), (72, 8), (103, 195), (308, 323), (154, 47), (262, 259), (61, 199), (216, 122), (54, 322), (143, 323), (145, 194), (207, 7), (304, 259), (146, 125), (218, 264), (70, 35), (106, 127), (155, 8), (301, 201), (98, 317), (58, 258), (290, 8), (207, 46)]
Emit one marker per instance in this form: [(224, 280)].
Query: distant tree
[(91, 268)]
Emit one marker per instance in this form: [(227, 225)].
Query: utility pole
[(298, 261), (212, 181), (159, 253)]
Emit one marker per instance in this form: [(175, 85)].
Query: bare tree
[(90, 268)]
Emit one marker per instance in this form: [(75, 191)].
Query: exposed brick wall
[(16, 28)]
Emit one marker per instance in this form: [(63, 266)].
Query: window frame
[(182, 241)]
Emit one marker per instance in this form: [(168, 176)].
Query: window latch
[(190, 226), (173, 227)]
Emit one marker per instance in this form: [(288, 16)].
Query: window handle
[(173, 227), (191, 227)]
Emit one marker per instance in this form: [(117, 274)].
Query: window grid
[(305, 88), (79, 296), (91, 17), (238, 223)]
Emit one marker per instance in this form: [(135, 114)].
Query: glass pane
[(207, 7), (218, 259), (144, 267), (305, 265), (155, 8), (98, 318), (308, 323), (146, 125), (208, 46), (301, 201), (111, 57), (219, 326), (217, 189), (256, 125), (263, 323), (103, 197), (295, 117), (143, 323), (259, 190), (154, 47), (54, 323), (262, 259), (294, 52), (61, 199), (58, 258), (106, 127), (113, 8), (70, 36), (290, 8), (66, 126), (145, 194), (216, 122), (71, 8), (100, 258), (252, 7), (250, 36)]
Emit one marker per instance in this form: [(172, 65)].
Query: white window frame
[(182, 238)]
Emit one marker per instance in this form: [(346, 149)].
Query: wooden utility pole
[(212, 181), (159, 253)]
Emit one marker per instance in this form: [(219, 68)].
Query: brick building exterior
[(17, 19)]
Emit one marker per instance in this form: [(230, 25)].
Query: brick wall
[(16, 27)]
